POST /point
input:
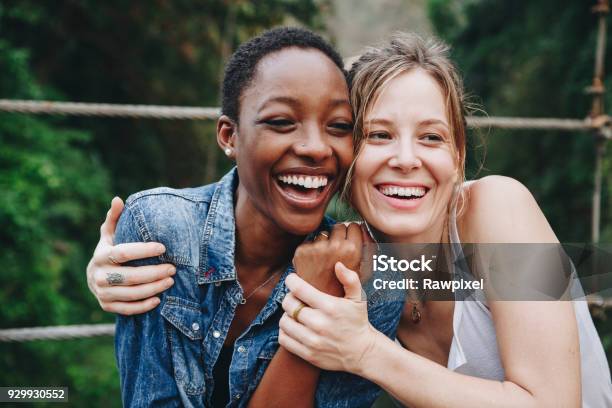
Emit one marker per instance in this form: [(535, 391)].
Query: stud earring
[(228, 151)]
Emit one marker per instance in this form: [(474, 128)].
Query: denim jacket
[(166, 356)]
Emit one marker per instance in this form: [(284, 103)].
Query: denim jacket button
[(195, 327), (217, 283), (216, 334), (237, 396), (241, 349)]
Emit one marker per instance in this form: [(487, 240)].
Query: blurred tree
[(52, 193), (534, 59), (523, 63), (57, 180), (144, 52)]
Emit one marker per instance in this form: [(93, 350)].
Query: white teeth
[(304, 181), (403, 191)]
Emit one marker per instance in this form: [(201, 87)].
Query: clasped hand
[(331, 332)]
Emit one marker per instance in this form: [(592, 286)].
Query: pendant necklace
[(243, 300), (416, 313)]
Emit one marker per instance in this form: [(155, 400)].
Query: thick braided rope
[(111, 110), (57, 332), (195, 113)]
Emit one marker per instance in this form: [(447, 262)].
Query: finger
[(353, 233), (131, 308), (350, 281), (309, 317), (338, 233), (131, 251), (308, 294), (135, 292), (290, 303), (293, 346), (298, 331), (322, 236), (107, 230), (137, 275)]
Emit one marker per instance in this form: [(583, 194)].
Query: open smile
[(304, 188), (403, 197)]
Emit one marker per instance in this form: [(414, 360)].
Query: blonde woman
[(407, 182)]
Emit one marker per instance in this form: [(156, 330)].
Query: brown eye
[(341, 127), (432, 138), (279, 122), (379, 136), (279, 125)]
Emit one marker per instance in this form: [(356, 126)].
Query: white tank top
[(474, 346)]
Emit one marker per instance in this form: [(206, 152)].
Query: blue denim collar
[(218, 243)]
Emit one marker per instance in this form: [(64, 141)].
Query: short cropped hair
[(240, 69)]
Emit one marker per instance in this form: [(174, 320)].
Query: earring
[(228, 151)]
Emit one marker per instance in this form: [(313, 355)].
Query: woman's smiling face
[(405, 174), (294, 142)]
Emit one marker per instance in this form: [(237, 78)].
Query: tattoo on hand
[(114, 278)]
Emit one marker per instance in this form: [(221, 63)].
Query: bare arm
[(540, 358), (123, 289), (286, 376)]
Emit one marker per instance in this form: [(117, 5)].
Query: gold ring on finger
[(113, 260), (296, 312), (324, 234)]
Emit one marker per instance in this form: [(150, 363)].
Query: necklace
[(243, 300), (416, 313)]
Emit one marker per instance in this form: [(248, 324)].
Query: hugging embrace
[(242, 292)]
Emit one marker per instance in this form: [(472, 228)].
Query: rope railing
[(108, 110), (208, 113), (56, 332), (532, 123), (597, 304)]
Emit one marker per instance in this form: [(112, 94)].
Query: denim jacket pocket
[(264, 356), (184, 334)]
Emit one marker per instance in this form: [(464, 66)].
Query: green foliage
[(57, 175), (534, 59), (522, 63), (143, 52), (53, 192)]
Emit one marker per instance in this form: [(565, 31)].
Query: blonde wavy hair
[(373, 71)]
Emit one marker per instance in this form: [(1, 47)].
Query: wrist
[(329, 285), (369, 358), (334, 288)]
